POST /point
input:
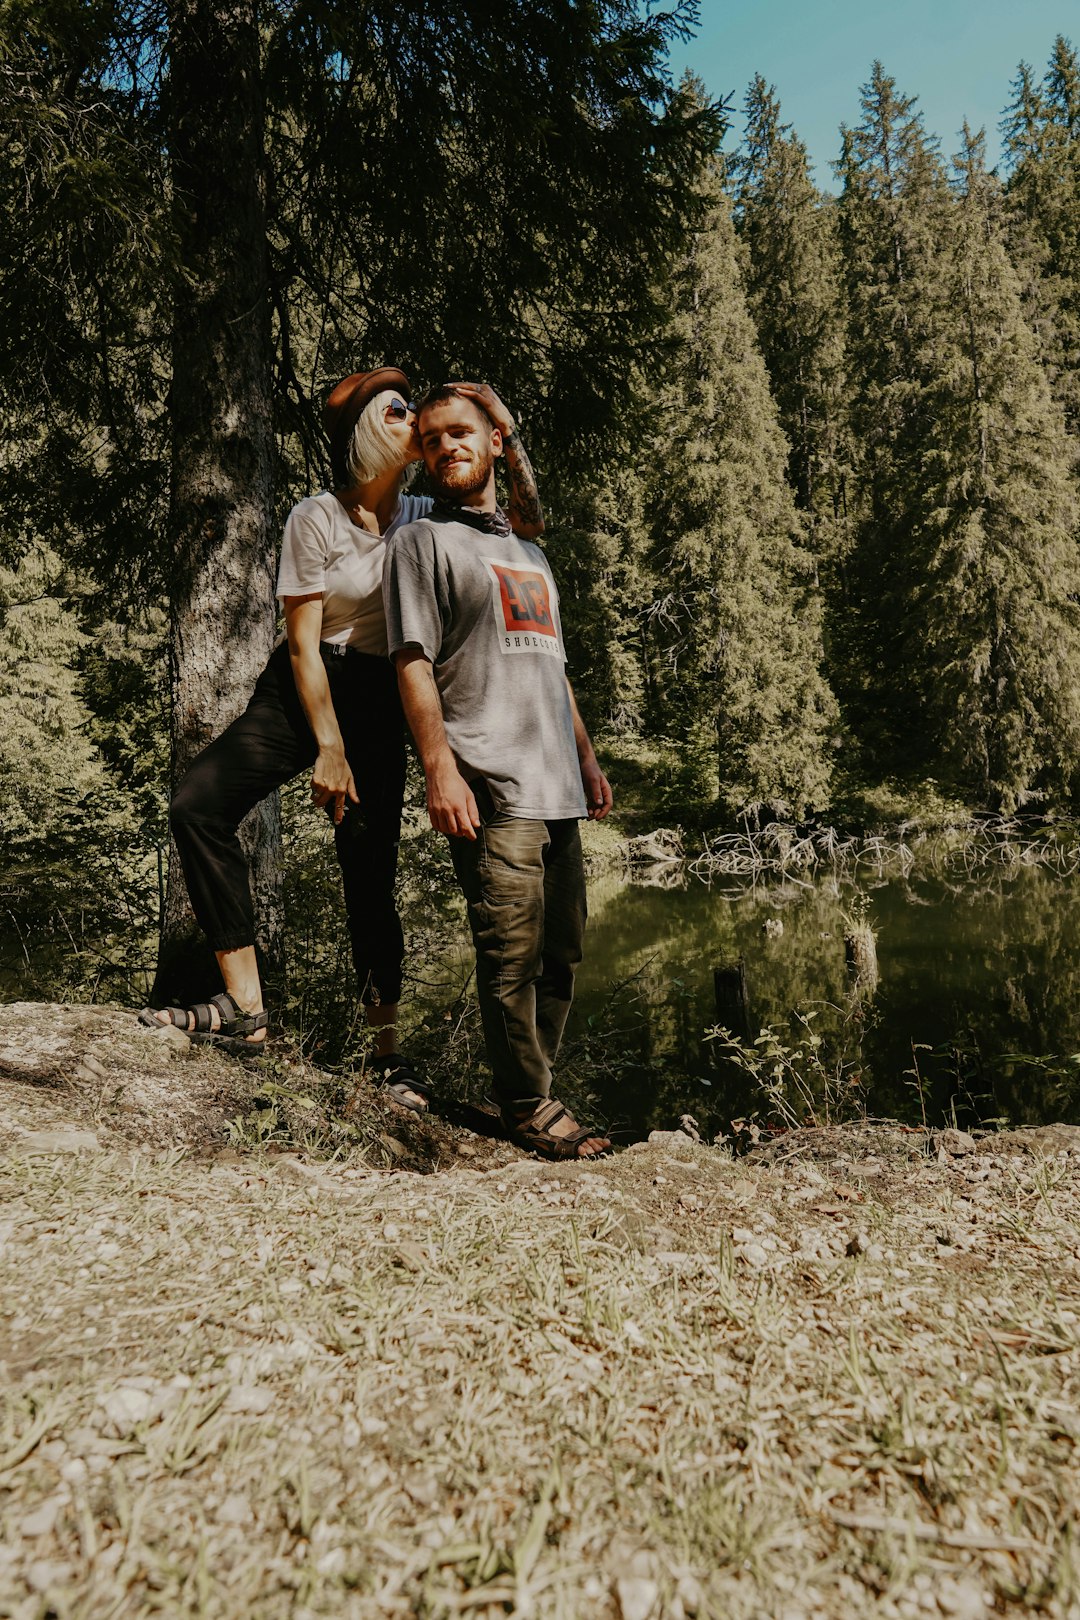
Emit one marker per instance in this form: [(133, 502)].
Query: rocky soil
[(271, 1347)]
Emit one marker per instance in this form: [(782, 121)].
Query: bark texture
[(222, 601)]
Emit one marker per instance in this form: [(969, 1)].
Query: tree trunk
[(222, 552)]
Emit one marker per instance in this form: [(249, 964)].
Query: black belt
[(336, 649)]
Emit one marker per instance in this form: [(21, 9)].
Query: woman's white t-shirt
[(324, 550)]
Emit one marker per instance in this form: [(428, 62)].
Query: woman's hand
[(332, 783), (488, 400)]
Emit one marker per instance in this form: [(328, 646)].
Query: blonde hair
[(373, 450)]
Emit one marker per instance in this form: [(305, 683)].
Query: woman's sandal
[(533, 1132), (401, 1080), (197, 1023)]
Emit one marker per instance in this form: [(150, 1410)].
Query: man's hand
[(488, 400), (598, 794), (450, 802), (332, 783)]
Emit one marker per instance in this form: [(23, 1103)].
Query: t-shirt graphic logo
[(522, 602)]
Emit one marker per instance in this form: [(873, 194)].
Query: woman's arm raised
[(523, 508)]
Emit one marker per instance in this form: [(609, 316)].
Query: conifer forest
[(810, 458)]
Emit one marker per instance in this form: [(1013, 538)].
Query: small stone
[(235, 1509), (249, 1398), (396, 1149), (754, 1255), (585, 1370), (637, 1597), (90, 1069), (675, 1141), (46, 1573), (411, 1256), (41, 1521), (391, 1232), (465, 1150), (424, 1492), (963, 1599), (168, 1035), (297, 1170), (690, 1593), (957, 1143), (125, 1408), (60, 1141)]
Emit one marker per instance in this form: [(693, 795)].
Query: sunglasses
[(399, 410)]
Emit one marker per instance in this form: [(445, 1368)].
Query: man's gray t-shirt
[(485, 610)]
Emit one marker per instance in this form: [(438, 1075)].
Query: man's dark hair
[(442, 394)]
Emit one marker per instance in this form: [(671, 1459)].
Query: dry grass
[(836, 1377)]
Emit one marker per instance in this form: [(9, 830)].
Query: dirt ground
[(402, 1370)]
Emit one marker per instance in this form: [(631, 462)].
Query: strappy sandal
[(197, 1023), (397, 1075), (533, 1132)]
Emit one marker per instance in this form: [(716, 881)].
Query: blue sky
[(958, 56)]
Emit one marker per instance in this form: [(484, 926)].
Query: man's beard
[(460, 480)]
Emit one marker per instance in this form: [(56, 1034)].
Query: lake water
[(978, 989)]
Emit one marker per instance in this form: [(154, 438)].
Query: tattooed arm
[(523, 509)]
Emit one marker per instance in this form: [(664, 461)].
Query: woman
[(328, 699)]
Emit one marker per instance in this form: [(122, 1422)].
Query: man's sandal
[(534, 1133), (197, 1023), (397, 1075)]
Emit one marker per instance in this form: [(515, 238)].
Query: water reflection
[(975, 1014)]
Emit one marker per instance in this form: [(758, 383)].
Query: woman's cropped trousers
[(270, 743)]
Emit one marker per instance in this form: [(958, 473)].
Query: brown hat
[(345, 405)]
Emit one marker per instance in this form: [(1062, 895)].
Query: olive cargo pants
[(524, 888)]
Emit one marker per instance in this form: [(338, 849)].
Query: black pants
[(270, 743)]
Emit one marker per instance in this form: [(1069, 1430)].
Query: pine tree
[(893, 217), (47, 764), (1041, 130), (794, 296), (599, 545), (737, 614), (993, 612)]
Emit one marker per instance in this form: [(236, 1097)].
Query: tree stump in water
[(665, 844), (860, 953), (729, 990)]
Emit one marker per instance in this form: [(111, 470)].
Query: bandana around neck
[(495, 522)]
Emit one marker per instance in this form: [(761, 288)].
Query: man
[(473, 627)]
